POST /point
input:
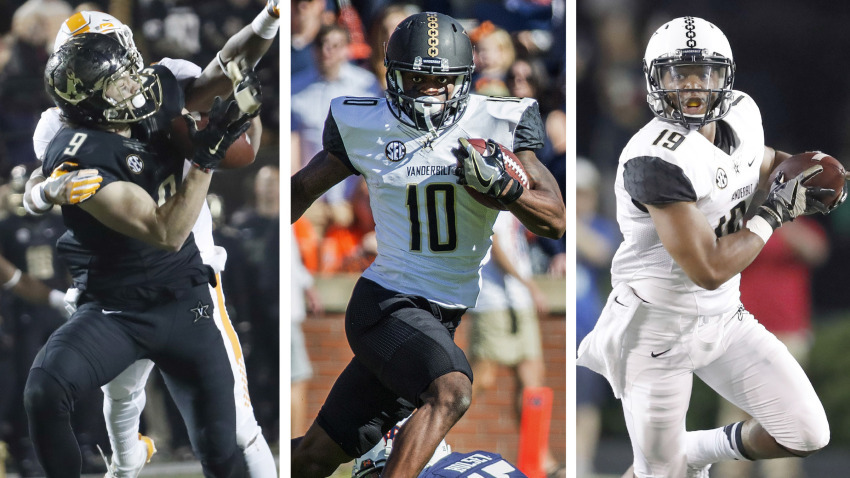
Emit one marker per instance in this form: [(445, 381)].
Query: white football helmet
[(689, 72), (99, 22), (373, 461)]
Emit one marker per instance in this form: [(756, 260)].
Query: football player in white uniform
[(683, 185), (432, 238), (125, 395)]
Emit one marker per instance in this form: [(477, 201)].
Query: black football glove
[(790, 199), (211, 143), (486, 173)]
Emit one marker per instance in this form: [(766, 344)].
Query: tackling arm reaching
[(245, 49)]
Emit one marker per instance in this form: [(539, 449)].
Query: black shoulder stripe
[(530, 132), (651, 180), (332, 142)]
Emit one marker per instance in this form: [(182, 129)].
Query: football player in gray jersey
[(433, 238), (683, 186)]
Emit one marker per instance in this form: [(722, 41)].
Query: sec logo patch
[(721, 179), (395, 150), (135, 163)]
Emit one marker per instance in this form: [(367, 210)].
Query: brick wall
[(491, 423)]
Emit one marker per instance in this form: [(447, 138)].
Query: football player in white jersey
[(683, 185), (432, 238), (125, 395)]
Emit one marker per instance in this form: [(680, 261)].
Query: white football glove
[(65, 186), (486, 173)]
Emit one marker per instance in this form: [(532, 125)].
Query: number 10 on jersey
[(441, 222)]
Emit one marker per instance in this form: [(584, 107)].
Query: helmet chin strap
[(428, 106)]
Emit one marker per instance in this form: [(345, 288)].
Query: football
[(512, 165), (238, 155), (832, 176)]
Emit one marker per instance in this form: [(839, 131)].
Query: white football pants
[(732, 353)]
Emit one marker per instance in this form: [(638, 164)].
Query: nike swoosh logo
[(108, 312), (655, 355), (484, 182), (215, 149), (752, 161), (617, 301)]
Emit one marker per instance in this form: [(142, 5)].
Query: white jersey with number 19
[(665, 163)]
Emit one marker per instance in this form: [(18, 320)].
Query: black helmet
[(92, 79), (433, 44)]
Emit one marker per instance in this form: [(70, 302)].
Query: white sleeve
[(48, 125), (182, 69)]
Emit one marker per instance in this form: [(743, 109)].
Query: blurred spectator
[(596, 240), (494, 54), (172, 29), (505, 321), (526, 77), (782, 269), (305, 21), (304, 299), (379, 32), (312, 92), (22, 92), (259, 232), (29, 244), (351, 248)]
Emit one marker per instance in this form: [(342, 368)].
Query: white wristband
[(759, 226), (38, 199), (16, 277), (265, 25)]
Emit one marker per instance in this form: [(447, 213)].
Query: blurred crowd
[(244, 203), (339, 51)]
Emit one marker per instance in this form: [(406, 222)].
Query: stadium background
[(789, 58)]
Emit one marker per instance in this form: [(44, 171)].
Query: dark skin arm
[(709, 261), (540, 208), (244, 45), (322, 172)]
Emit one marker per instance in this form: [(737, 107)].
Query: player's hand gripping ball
[(827, 185), (490, 172), (238, 155)]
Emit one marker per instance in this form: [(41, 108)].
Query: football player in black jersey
[(129, 247)]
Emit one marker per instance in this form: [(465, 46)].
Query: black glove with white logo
[(225, 126), (486, 173)]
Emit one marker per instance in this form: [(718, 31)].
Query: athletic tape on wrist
[(16, 277), (38, 198), (760, 227), (265, 25)]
